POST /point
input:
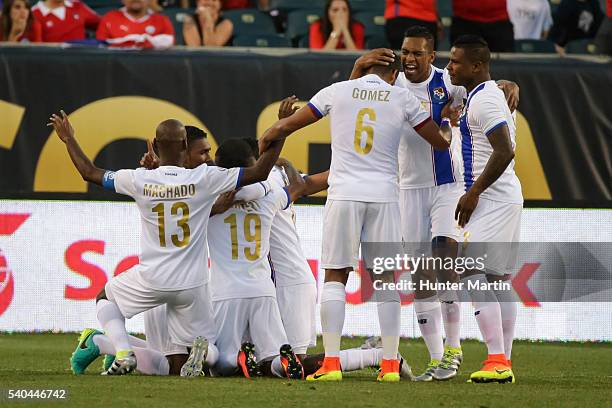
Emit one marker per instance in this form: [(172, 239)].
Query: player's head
[(469, 60), (198, 148), (171, 142), (136, 6), (417, 53), (254, 146), (387, 73), (234, 153)]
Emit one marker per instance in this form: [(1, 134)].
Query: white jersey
[(367, 119), (174, 205), (486, 110), (420, 164), (240, 245), (530, 18), (289, 265)]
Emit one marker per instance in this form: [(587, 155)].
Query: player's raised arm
[(297, 186), (502, 155), (284, 127), (261, 169), (316, 183), (378, 56), (65, 131)]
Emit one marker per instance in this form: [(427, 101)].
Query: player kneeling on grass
[(172, 269)]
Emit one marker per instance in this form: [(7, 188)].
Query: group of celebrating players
[(254, 312)]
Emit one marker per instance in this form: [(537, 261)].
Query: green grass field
[(548, 375)]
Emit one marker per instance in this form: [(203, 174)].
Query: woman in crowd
[(17, 23), (337, 29), (207, 27)]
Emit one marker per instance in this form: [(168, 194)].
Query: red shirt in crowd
[(419, 9), (317, 40), (34, 34), (484, 11), (609, 8), (235, 4), (65, 23), (119, 29)]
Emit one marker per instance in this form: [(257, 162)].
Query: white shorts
[(256, 320), (297, 304), (156, 332), (494, 228), (348, 223), (430, 212), (188, 312)]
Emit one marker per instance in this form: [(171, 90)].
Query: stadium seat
[(585, 46), (304, 42), (376, 41), (263, 40), (177, 16), (534, 46), (298, 23), (371, 6), (95, 4), (291, 5), (250, 21), (374, 23), (103, 10), (445, 8)]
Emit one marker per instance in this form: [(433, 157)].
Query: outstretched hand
[(62, 126), (452, 113), (149, 160), (286, 107)]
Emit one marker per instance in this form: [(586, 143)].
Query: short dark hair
[(419, 31), (476, 48), (233, 153), (251, 141), (194, 133)]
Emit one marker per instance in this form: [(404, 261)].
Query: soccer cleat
[(195, 361), (330, 371), (291, 364), (247, 361), (86, 351), (495, 369), (449, 366), (125, 363), (405, 371), (373, 342), (389, 371), (107, 362), (428, 374)]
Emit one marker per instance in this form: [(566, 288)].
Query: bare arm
[(84, 166), (284, 127), (218, 35), (511, 90), (439, 138), (379, 56), (191, 35), (316, 183), (261, 169), (297, 185), (497, 163)]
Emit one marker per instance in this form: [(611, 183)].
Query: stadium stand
[(298, 23), (371, 6), (262, 40), (177, 17), (291, 5), (374, 23), (250, 22), (534, 46), (584, 46)]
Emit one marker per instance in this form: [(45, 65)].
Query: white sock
[(151, 362), (104, 344), (508, 308), (113, 323), (429, 316), (356, 359), (451, 316), (277, 367), (213, 355), (333, 300), (137, 342), (488, 315), (389, 314)]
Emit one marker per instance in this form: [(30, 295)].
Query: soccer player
[(490, 209), (367, 117), (175, 206)]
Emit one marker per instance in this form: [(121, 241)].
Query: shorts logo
[(422, 321), (150, 29), (439, 93), (9, 223)]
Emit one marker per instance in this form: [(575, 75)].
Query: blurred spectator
[(240, 4), (486, 18), (136, 26), (575, 20), (531, 18), (403, 14), (337, 29), (17, 23), (207, 26), (64, 20), (604, 37)]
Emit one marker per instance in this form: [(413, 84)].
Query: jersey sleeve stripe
[(494, 128), (315, 111), (423, 123), (288, 198), (108, 181), (239, 179)]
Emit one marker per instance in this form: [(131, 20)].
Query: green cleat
[(85, 353), (108, 362)]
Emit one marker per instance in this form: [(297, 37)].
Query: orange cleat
[(330, 371), (389, 371)]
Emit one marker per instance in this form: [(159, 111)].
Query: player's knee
[(337, 275), (101, 295)]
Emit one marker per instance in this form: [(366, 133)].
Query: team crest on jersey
[(76, 17), (150, 29), (439, 93)]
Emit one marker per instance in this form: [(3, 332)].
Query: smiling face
[(417, 56), (199, 153)]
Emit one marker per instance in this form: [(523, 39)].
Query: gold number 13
[(369, 130), (182, 223)]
